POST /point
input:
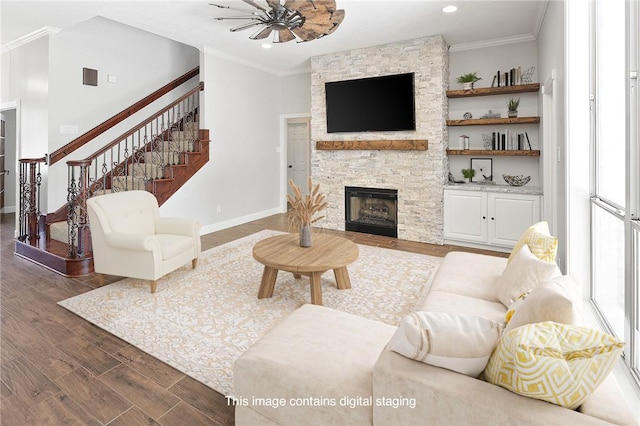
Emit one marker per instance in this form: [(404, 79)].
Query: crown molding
[(224, 55), (492, 43), (34, 35), (238, 60), (540, 20)]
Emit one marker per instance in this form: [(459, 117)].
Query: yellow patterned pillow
[(558, 363), (540, 241)]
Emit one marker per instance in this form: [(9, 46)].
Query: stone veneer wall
[(418, 176)]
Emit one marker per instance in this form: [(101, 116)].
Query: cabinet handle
[(484, 217), (492, 218)]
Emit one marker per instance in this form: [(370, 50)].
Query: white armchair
[(130, 239)]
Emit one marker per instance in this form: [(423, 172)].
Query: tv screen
[(371, 104)]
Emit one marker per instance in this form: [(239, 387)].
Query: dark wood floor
[(59, 369)]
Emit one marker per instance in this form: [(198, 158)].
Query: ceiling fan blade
[(336, 19), (274, 4), (295, 4), (256, 5), (263, 33), (284, 36), (245, 26), (233, 8), (304, 34)]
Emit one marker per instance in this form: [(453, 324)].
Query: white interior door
[(298, 140)]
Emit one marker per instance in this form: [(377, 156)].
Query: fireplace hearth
[(371, 210)]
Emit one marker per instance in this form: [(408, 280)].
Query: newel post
[(77, 218)]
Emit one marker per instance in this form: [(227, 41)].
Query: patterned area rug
[(200, 321)]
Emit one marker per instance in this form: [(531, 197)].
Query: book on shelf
[(508, 140), (512, 77)]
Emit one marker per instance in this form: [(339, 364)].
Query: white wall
[(25, 81), (486, 62), (296, 94), (141, 62), (241, 111), (551, 56)]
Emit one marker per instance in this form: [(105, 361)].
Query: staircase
[(158, 155)]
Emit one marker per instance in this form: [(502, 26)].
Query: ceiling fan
[(304, 20)]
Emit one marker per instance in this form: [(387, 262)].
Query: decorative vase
[(305, 235), (512, 114), (467, 86)]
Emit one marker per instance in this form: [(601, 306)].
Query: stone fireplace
[(417, 175)]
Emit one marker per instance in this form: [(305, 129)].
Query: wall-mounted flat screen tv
[(371, 104)]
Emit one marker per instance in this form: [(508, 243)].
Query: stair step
[(191, 125), (146, 170), (59, 231), (166, 157), (127, 183), (187, 135)]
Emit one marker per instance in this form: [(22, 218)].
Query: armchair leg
[(194, 263), (154, 285), (100, 278)]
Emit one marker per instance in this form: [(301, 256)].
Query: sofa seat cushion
[(173, 245), (443, 397), (444, 301), (470, 274), (313, 357)]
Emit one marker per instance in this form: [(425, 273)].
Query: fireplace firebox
[(371, 210)]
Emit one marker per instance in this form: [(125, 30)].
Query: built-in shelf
[(493, 121), (488, 91), (501, 153), (398, 145)]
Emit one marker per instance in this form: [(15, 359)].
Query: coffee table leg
[(316, 289), (343, 281), (268, 282)]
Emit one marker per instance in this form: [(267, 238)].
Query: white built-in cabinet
[(492, 219)]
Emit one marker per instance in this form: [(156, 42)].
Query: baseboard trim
[(207, 229)]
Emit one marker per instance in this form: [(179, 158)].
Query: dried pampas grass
[(305, 207)]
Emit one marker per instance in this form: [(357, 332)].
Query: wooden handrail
[(78, 142), (33, 160)]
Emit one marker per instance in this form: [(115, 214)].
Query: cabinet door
[(465, 216), (510, 215)]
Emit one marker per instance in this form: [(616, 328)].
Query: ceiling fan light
[(449, 9), (266, 45)]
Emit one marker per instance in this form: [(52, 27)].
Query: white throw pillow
[(523, 274), (458, 342), (555, 300)]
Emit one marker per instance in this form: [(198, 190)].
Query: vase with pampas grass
[(305, 208)]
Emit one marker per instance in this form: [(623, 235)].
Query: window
[(615, 199)]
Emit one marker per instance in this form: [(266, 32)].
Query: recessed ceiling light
[(449, 9), (266, 45)]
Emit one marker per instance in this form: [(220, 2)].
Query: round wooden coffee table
[(283, 253)]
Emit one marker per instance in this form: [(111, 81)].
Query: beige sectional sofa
[(322, 366)]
